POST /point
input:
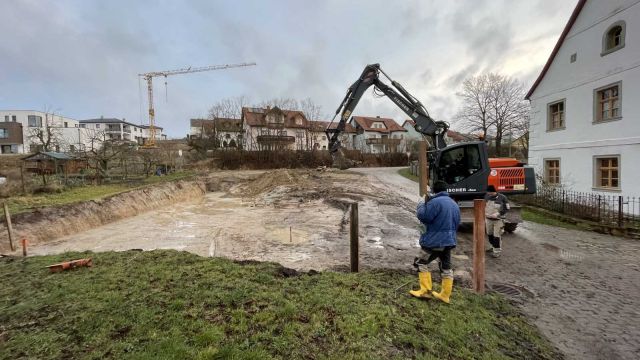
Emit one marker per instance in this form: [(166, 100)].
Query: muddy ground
[(582, 289)]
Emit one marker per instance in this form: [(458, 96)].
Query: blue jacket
[(441, 216)]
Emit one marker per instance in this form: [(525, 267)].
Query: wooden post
[(24, 247), (478, 245), (7, 217), (423, 174), (355, 266), (24, 187)]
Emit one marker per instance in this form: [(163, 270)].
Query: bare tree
[(310, 109), (476, 102), (493, 104), (228, 108), (508, 108), (46, 135), (282, 103)]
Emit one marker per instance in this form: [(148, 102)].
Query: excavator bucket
[(340, 160)]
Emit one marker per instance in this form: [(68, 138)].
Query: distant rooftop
[(115, 121)]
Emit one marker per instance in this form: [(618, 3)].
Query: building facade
[(275, 129), (585, 113), (112, 129), (377, 135), (228, 132), (27, 131)]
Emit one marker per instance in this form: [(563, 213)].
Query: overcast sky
[(82, 57)]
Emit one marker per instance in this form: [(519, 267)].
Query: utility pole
[(148, 77)]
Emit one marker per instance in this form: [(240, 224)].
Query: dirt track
[(582, 289)]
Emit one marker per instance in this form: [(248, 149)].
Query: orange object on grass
[(70, 265)]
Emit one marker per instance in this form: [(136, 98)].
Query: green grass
[(532, 215), (407, 173), (176, 305), (19, 204)]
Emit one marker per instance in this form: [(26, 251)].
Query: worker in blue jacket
[(441, 217)]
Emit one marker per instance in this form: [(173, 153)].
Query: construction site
[(480, 210)]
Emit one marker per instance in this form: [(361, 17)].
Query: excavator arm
[(424, 124)]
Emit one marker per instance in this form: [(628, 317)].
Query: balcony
[(275, 139), (383, 141)]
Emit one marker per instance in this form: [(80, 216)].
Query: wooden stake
[(24, 247), (7, 217), (355, 266), (24, 187), (478, 245), (290, 236), (423, 172)]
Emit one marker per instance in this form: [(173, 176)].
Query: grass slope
[(19, 204), (175, 305), (407, 173)]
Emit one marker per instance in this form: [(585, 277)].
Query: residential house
[(25, 131), (319, 140), (229, 131), (275, 129), (585, 128), (376, 134)]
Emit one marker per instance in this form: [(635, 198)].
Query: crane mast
[(148, 77)]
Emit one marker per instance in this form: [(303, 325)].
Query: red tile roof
[(411, 122), (564, 34), (365, 123), (258, 117), (322, 126)]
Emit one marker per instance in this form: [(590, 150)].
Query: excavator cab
[(464, 167)]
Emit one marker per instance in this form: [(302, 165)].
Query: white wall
[(575, 82)]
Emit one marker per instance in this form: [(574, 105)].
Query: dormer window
[(377, 125), (614, 38)]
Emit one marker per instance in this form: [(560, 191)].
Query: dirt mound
[(269, 181)]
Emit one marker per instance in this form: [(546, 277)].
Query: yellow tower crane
[(149, 78)]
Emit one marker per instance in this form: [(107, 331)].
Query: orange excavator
[(465, 167)]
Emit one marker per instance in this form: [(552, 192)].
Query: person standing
[(497, 206), (441, 217)]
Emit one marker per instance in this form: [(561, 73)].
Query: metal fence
[(610, 210)]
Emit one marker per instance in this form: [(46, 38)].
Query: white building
[(229, 132), (377, 135), (117, 130), (274, 129), (585, 116), (25, 131)]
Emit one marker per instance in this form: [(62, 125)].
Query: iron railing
[(611, 210)]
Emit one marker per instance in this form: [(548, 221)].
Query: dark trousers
[(494, 241), (444, 254)]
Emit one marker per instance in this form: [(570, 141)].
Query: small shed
[(48, 163)]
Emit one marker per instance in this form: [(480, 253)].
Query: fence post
[(620, 213), (7, 217), (423, 168), (563, 200), (355, 266), (599, 204), (478, 245)]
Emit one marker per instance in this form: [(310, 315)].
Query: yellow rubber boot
[(424, 277), (445, 293)]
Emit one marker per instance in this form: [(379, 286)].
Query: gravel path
[(582, 289)]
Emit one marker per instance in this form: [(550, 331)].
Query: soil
[(580, 288)]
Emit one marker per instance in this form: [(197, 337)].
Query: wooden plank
[(478, 245)]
